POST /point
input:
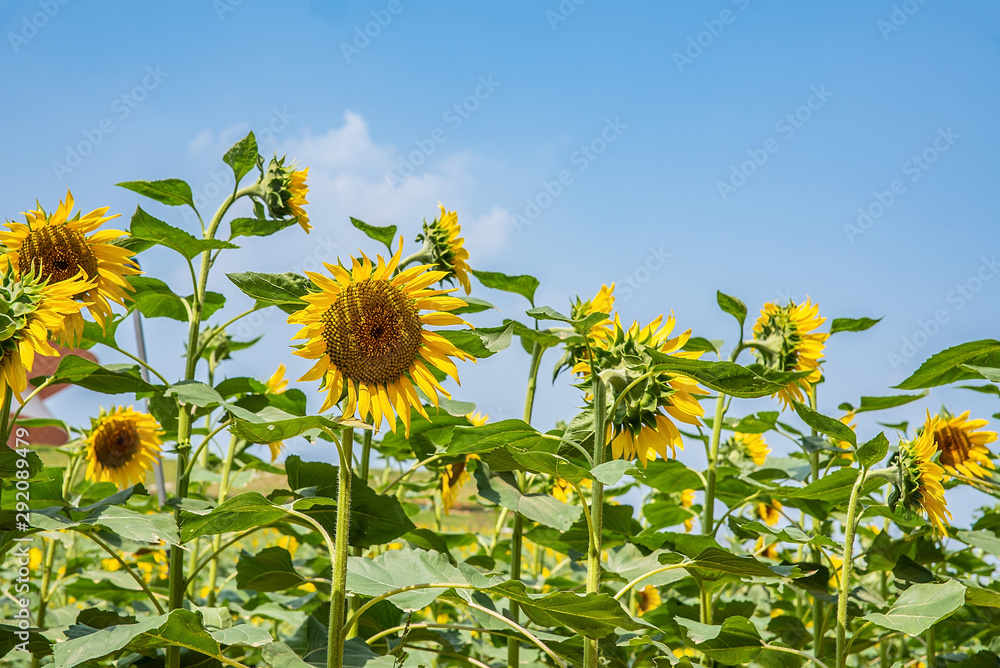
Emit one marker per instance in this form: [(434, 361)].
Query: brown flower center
[(954, 445), (57, 253), (115, 442), (372, 332)]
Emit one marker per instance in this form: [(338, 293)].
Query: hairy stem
[(845, 576)]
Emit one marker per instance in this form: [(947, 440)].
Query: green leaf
[(150, 228), (920, 607), (110, 379), (732, 306), (715, 560), (247, 635), (154, 299), (514, 433), (882, 403), (280, 430), (788, 534), (670, 476), (271, 569), (757, 423), (991, 374), (9, 463), (542, 508), (522, 285), (172, 192), (873, 451), (953, 364), (395, 569), (852, 324), (195, 393), (481, 342), (611, 472), (728, 377), (282, 290), (94, 334), (984, 540), (258, 227), (825, 425), (242, 512), (833, 487), (243, 156), (386, 235), (735, 642), (473, 305), (280, 655)]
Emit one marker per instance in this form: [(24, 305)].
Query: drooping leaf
[(282, 290), (172, 192), (243, 156), (109, 379), (271, 569), (746, 382), (542, 508), (154, 299), (732, 306), (258, 227), (481, 342), (395, 569), (825, 425), (522, 285), (735, 642), (239, 513), (386, 234), (920, 607), (953, 364), (150, 228), (852, 324)]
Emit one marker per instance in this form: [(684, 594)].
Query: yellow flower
[(454, 476), (793, 345), (277, 383), (284, 191), (599, 333), (30, 310), (770, 513), (445, 247), (921, 480), (769, 552), (110, 565), (687, 500), (848, 419), (34, 558), (963, 449), (289, 543), (754, 446), (122, 446), (477, 419), (57, 247), (561, 489), (641, 427), (648, 599), (366, 331)]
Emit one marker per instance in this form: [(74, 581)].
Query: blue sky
[(714, 145)]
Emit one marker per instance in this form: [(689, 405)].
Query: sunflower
[(768, 551), (754, 446), (366, 331), (648, 598), (641, 426), (687, 500), (848, 420), (790, 344), (561, 489), (284, 191), (597, 335), (30, 309), (921, 479), (276, 384), (454, 476), (445, 248), (963, 449), (122, 446), (57, 248), (770, 513)]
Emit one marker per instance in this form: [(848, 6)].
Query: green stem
[(662, 569), (591, 648), (213, 568), (845, 577), (43, 591), (931, 647), (338, 576), (8, 397), (128, 569)]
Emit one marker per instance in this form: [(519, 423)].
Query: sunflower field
[(442, 537)]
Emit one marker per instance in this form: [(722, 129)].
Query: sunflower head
[(789, 343), (919, 482), (453, 478), (648, 598), (367, 329), (641, 426), (284, 191), (962, 447), (30, 309), (58, 248), (445, 247), (769, 513), (751, 446), (597, 334), (122, 445)]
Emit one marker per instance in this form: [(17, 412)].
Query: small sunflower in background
[(766, 551), (283, 189), (848, 420), (790, 343), (687, 500), (753, 446), (962, 447), (57, 248), (454, 476), (30, 310), (769, 513), (561, 489), (648, 598), (367, 330), (122, 445), (276, 384), (597, 335), (919, 485), (641, 426), (444, 248)]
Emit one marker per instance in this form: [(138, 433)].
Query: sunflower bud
[(785, 340), (917, 478), (283, 190), (445, 248)]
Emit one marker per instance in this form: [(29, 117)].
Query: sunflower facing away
[(445, 247), (648, 598), (454, 476), (58, 248), (754, 446), (30, 309), (366, 330), (770, 513), (641, 427), (598, 334), (963, 448), (276, 384), (284, 191), (921, 480), (122, 446), (793, 345)]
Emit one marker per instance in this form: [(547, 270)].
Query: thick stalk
[(591, 648), (43, 591), (817, 555), (845, 577), (338, 576), (517, 531), (931, 648), (8, 396), (366, 454)]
